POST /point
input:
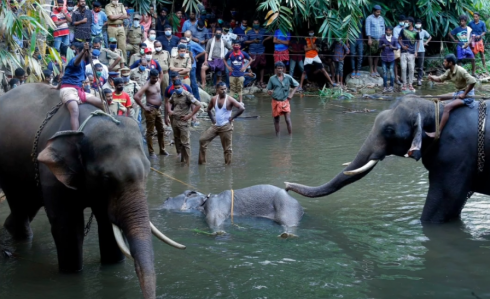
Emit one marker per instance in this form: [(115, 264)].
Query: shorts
[(478, 47), (69, 94), (397, 54), (236, 85), (280, 108), (464, 53), (374, 48), (259, 60), (467, 101), (313, 60), (280, 56)]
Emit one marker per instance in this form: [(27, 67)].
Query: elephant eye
[(389, 130)]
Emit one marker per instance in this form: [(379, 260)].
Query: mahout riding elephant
[(452, 161), (264, 201), (102, 167)]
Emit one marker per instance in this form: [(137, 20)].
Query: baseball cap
[(377, 7), (112, 40)]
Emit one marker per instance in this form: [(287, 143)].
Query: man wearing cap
[(278, 87), (141, 73), (116, 13), (61, 18), (110, 82), (168, 40), (99, 20), (131, 87), (196, 51), (95, 59), (169, 91), (135, 35), (48, 76), (82, 21), (182, 64), (140, 53), (375, 28), (152, 64), (163, 58)]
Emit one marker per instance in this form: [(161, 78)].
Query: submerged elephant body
[(451, 161), (104, 168), (265, 201)]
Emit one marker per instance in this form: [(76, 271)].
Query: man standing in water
[(222, 124), (152, 112), (278, 87)]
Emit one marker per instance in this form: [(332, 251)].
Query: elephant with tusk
[(452, 161), (102, 167)]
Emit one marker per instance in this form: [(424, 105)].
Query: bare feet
[(164, 153)]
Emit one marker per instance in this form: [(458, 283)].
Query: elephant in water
[(102, 167), (264, 201), (452, 161)]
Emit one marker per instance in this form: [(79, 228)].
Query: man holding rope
[(463, 81)]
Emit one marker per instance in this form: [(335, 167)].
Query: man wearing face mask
[(140, 53), (152, 63), (150, 41), (116, 13), (241, 31), (151, 90), (402, 24), (168, 40), (110, 82), (131, 87), (191, 23), (61, 18), (163, 58), (141, 73), (100, 20), (196, 51), (216, 50), (182, 64), (95, 60), (135, 36), (255, 39), (113, 55), (70, 7), (424, 41), (120, 96), (82, 20)]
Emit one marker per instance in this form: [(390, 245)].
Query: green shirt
[(281, 88), (460, 77)]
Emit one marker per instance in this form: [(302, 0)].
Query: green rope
[(97, 113)]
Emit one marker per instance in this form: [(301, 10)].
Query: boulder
[(205, 97), (365, 80)]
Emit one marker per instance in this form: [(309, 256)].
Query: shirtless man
[(152, 112), (178, 108), (222, 124), (71, 91)]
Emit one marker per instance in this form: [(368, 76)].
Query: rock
[(365, 80), (205, 97)]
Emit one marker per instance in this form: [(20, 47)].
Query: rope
[(232, 203), (97, 113), (177, 180)]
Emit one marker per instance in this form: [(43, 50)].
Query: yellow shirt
[(112, 10)]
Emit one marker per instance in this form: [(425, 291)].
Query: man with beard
[(191, 23), (462, 80), (82, 20)]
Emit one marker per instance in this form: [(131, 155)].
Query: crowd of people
[(143, 65)]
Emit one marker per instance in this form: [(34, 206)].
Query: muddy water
[(364, 241)]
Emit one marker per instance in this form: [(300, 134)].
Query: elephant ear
[(414, 151), (62, 157)]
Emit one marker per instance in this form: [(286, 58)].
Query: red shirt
[(123, 98), (61, 30)]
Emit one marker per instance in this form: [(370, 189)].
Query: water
[(364, 241)]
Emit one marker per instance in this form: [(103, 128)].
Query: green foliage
[(143, 6), (334, 93)]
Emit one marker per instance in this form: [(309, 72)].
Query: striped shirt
[(375, 27), (61, 30)]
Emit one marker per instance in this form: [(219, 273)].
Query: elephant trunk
[(370, 153), (131, 216)]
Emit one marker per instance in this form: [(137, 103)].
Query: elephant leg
[(215, 221), (109, 251), (446, 197)]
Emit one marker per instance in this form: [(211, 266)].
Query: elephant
[(451, 160), (265, 201), (102, 167)]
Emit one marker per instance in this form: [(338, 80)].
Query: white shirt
[(105, 70)]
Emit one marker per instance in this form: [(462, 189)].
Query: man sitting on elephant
[(71, 91), (463, 81)]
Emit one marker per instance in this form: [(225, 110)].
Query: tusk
[(120, 241), (164, 238), (368, 165), (346, 164)]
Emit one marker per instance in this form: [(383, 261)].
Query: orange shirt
[(311, 53), (123, 98)]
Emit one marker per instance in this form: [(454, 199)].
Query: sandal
[(377, 75), (353, 75), (373, 75)]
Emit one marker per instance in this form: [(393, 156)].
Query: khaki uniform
[(117, 67), (134, 58), (182, 63), (116, 107), (140, 77), (107, 57), (163, 58), (135, 37), (182, 106), (131, 89), (116, 28)]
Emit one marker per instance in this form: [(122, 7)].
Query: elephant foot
[(20, 230), (219, 233), (287, 235)]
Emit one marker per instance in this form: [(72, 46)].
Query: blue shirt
[(242, 36), (201, 35), (396, 34), (167, 45), (256, 48), (375, 27), (188, 25), (423, 35), (478, 29), (196, 49), (74, 75), (280, 36), (169, 91), (152, 65), (97, 27), (237, 62), (461, 34)]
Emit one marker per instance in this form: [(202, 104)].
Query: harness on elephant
[(35, 146), (482, 115)]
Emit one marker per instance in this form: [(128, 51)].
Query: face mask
[(188, 39), (113, 46), (401, 24), (114, 2), (243, 27), (256, 26), (130, 11), (99, 74), (179, 90), (158, 49), (86, 88), (418, 26), (236, 48), (152, 37), (119, 89), (142, 68), (406, 25), (232, 24), (182, 54), (200, 28), (168, 33), (39, 57), (220, 21), (142, 51), (136, 23), (70, 8), (311, 33), (148, 57), (125, 79), (233, 13), (218, 36)]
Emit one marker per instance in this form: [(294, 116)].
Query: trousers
[(356, 50), (194, 86), (225, 133), (182, 138), (407, 59), (419, 65), (388, 67), (293, 64), (154, 120), (120, 35)]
